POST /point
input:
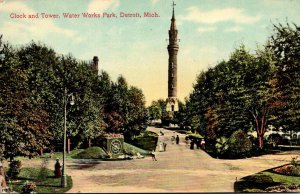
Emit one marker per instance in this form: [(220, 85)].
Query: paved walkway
[(179, 169)]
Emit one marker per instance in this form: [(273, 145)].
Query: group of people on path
[(199, 143), (173, 139), (163, 146)]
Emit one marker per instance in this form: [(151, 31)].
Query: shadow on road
[(83, 164)]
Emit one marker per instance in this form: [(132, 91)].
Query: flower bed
[(283, 188), (289, 169)]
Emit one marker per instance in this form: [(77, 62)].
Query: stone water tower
[(173, 47)]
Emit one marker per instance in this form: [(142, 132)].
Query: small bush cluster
[(238, 145), (146, 141), (275, 140), (28, 187)]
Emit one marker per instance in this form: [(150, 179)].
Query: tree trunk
[(69, 145), (90, 143), (261, 141)]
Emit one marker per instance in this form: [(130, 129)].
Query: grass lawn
[(289, 147), (262, 180), (43, 178), (60, 155), (54, 155)]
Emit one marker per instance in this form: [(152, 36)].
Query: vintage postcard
[(150, 96)]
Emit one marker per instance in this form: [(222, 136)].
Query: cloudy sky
[(209, 30)]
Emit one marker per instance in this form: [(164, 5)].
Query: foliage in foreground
[(267, 181), (47, 185)]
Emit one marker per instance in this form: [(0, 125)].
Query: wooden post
[(69, 144), (90, 143)]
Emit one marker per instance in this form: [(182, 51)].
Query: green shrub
[(294, 161), (14, 169), (146, 140), (91, 153), (194, 136), (221, 146), (275, 139), (239, 145)]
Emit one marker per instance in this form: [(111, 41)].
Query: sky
[(136, 47)]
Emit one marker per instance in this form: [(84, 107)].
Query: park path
[(179, 169)]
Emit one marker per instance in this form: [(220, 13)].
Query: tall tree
[(24, 122), (285, 43)]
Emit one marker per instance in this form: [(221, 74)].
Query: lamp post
[(72, 102)]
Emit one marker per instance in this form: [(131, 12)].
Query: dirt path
[(179, 169)]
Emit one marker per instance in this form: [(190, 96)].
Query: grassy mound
[(43, 178), (132, 150), (91, 153)]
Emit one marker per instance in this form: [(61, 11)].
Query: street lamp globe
[(72, 100)]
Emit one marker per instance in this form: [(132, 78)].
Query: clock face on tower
[(116, 146)]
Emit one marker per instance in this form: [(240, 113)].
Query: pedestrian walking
[(177, 139), (186, 140), (192, 144), (161, 146), (165, 146), (203, 144), (2, 177), (57, 169), (198, 144), (173, 139), (153, 155)]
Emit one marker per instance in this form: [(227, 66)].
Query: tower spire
[(173, 47), (173, 23), (173, 16)]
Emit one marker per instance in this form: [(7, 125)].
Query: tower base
[(172, 104)]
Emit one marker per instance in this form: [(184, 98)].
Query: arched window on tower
[(172, 65)]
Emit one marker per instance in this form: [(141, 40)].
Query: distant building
[(94, 64), (172, 101)]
